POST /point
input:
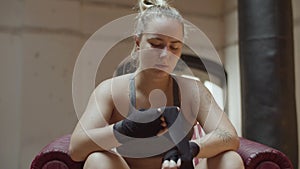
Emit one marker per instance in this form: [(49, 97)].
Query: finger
[(165, 164), (179, 162), (162, 132), (172, 164), (164, 124)]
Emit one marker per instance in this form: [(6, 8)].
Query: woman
[(109, 119)]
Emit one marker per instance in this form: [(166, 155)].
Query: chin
[(161, 73), (156, 72)]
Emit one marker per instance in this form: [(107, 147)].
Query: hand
[(170, 114), (139, 124), (173, 159), (184, 152)]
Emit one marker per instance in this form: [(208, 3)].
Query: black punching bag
[(267, 73)]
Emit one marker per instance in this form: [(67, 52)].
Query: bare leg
[(226, 160), (105, 160)]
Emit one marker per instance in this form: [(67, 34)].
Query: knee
[(104, 160), (226, 160), (92, 161)]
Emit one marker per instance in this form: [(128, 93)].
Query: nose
[(164, 52)]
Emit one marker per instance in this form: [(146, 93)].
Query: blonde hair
[(150, 9), (145, 4)]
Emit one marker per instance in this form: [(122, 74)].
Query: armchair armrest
[(55, 156), (259, 156), (255, 156)]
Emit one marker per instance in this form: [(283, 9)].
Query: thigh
[(225, 160), (202, 164), (105, 160)]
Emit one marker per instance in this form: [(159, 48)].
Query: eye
[(157, 45), (175, 47)]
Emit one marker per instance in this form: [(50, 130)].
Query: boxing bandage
[(139, 124), (185, 150)]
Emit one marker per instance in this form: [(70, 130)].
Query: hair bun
[(145, 4)]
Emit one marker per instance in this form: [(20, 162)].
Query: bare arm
[(92, 132), (220, 133)]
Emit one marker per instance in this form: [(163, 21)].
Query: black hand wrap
[(188, 151), (139, 124), (172, 154), (194, 149), (185, 149), (186, 159)]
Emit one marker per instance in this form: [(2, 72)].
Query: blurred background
[(40, 41)]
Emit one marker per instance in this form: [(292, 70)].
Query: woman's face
[(160, 45)]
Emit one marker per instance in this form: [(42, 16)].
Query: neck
[(151, 79)]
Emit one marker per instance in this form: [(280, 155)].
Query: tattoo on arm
[(224, 135)]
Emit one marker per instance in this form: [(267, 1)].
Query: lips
[(161, 66)]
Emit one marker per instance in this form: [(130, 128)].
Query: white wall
[(10, 99), (10, 86), (232, 65)]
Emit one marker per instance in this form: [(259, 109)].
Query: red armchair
[(255, 156)]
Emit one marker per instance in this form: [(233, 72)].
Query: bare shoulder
[(195, 93), (113, 94), (112, 85), (188, 83)]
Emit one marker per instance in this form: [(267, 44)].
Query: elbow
[(235, 142), (75, 156), (75, 153)]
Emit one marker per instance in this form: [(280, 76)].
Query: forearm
[(216, 142), (84, 142)]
